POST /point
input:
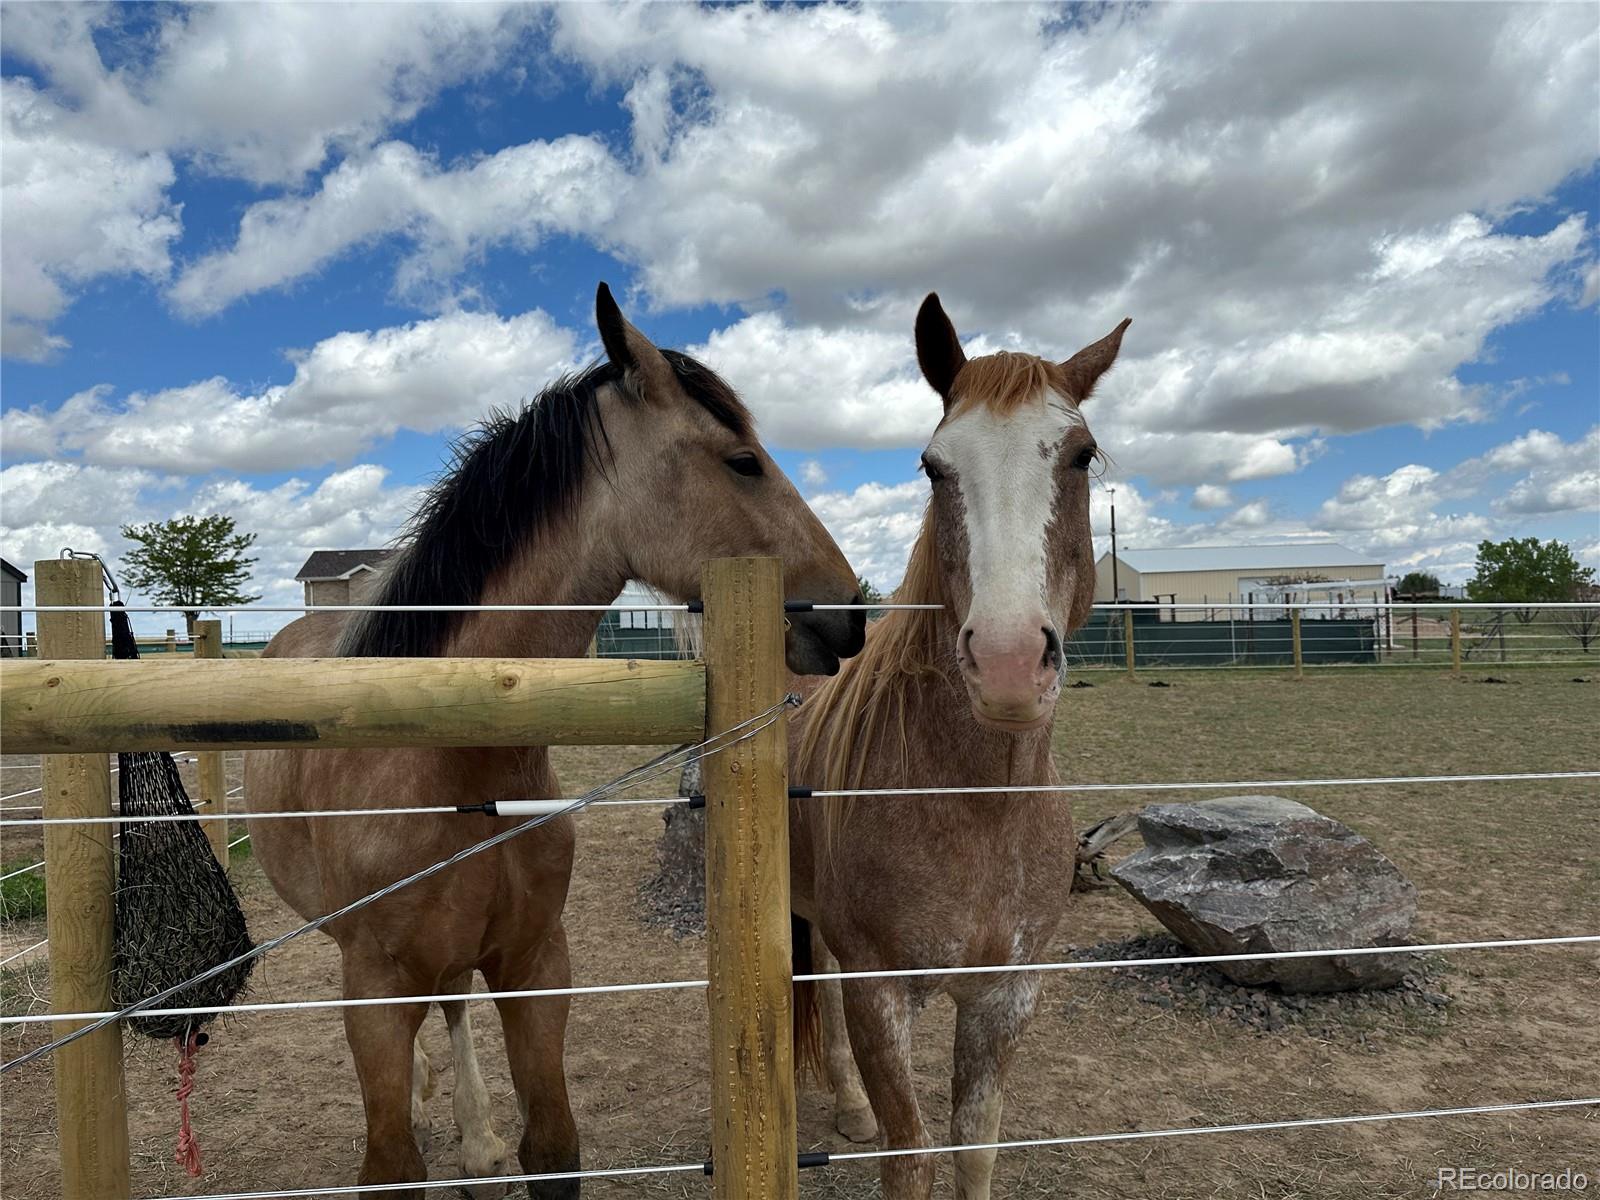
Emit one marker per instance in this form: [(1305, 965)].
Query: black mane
[(512, 476)]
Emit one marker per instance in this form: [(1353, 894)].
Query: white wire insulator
[(667, 985)]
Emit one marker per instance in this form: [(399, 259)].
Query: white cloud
[(70, 211), (263, 93), (52, 505), (1253, 515), (348, 391), (875, 525), (813, 473), (811, 387), (518, 196), (1209, 496)]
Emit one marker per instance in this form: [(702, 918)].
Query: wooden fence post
[(80, 873), (172, 641), (1455, 640), (753, 1140), (1127, 638), (213, 779), (1294, 629)]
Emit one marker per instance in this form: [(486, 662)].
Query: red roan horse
[(962, 695)]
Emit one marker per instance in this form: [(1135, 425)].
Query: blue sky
[(267, 260)]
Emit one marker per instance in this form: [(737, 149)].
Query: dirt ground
[(277, 1104)]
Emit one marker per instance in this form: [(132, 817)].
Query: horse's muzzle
[(816, 641)]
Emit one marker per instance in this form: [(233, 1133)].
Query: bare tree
[(1582, 625)]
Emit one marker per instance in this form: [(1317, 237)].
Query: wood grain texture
[(753, 1136), (80, 873), (213, 780), (1127, 638), (54, 707)]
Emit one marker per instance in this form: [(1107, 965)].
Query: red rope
[(188, 1154)]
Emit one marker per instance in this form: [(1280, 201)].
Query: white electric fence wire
[(666, 985), (697, 1168), (1142, 607), (36, 790), (860, 1155), (20, 953), (35, 866), (1353, 781), (503, 808), (671, 760), (528, 808), (1245, 1127)]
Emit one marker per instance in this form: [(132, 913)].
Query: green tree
[(870, 595), (1419, 583), (1527, 571), (193, 562)]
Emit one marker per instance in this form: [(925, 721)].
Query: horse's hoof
[(422, 1129), (490, 1163), (857, 1124)]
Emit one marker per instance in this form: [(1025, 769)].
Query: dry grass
[(277, 1103)]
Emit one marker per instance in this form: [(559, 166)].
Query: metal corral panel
[(1220, 643)]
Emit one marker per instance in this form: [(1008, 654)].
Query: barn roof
[(1282, 556), (8, 569), (340, 564)]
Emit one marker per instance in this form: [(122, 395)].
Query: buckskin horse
[(642, 467)]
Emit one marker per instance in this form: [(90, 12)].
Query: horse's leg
[(482, 1152), (536, 1031), (852, 1115), (382, 1041), (878, 1015), (990, 1020), (423, 1085)]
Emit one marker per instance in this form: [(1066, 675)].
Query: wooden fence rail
[(74, 711), (51, 707)]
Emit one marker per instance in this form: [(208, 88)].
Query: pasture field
[(277, 1103)]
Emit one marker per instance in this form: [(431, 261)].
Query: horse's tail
[(808, 1058)]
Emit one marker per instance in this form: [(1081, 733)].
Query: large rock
[(1254, 874)]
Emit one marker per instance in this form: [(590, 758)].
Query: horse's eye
[(1085, 458), (932, 470), (746, 464)]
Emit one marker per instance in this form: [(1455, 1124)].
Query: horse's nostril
[(1052, 646), (964, 651)]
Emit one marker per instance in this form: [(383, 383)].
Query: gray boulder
[(1255, 874)]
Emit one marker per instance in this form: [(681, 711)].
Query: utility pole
[(1116, 592)]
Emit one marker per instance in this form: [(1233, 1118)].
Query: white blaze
[(1005, 466)]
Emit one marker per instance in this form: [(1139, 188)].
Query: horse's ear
[(1083, 369), (629, 350), (939, 351)]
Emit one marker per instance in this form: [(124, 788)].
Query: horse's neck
[(559, 565), (562, 564)]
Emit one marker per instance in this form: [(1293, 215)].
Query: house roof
[(12, 571), (1286, 556), (340, 564)]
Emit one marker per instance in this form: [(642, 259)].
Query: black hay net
[(176, 912)]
